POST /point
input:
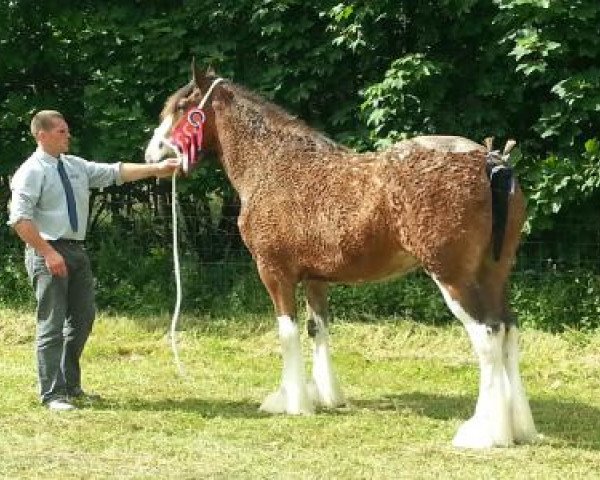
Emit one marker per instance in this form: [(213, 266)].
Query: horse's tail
[(502, 185)]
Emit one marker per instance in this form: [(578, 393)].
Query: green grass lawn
[(409, 385)]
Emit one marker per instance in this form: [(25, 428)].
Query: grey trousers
[(65, 315)]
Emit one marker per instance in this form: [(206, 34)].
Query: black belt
[(68, 241)]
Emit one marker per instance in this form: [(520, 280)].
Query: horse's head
[(187, 124)]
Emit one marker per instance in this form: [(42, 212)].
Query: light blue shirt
[(38, 193)]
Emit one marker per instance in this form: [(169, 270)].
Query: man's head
[(51, 132)]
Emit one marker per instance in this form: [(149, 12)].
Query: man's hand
[(29, 233), (56, 263), (167, 167), (130, 172)]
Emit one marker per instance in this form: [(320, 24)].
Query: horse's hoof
[(274, 403), (326, 397), (523, 426), (279, 402), (476, 433)]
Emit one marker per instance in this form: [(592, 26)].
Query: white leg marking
[(328, 391), (490, 426), (524, 430), (292, 396)]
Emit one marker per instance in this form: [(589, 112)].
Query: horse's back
[(444, 143)]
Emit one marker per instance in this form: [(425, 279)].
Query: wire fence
[(556, 277), (555, 281)]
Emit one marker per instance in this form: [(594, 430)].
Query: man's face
[(56, 140)]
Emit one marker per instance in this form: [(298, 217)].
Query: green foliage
[(558, 182), (409, 297), (557, 301), (508, 68), (15, 289), (556, 47), (367, 73), (447, 74), (132, 281), (405, 93)]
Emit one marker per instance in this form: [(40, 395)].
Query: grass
[(410, 386)]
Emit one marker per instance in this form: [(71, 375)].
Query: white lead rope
[(215, 82), (175, 317), (177, 277)]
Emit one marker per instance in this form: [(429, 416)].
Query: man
[(49, 212)]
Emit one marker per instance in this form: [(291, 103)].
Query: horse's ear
[(197, 75), (510, 144), (210, 71), (488, 143)]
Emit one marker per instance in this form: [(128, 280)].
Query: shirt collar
[(41, 155)]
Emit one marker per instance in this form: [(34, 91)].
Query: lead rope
[(175, 318)]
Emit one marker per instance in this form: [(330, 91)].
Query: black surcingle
[(502, 184)]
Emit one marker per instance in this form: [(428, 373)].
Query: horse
[(315, 212)]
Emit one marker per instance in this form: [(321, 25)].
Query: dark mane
[(269, 108), (275, 118)]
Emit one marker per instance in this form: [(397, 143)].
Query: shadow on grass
[(567, 423), (563, 423), (206, 408)]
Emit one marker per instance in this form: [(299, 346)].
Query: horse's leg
[(292, 396), (491, 425), (327, 389), (493, 277), (523, 427)]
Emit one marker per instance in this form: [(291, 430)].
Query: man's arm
[(131, 172), (29, 233)]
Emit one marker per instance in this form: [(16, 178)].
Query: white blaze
[(160, 146)]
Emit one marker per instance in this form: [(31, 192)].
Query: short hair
[(44, 120)]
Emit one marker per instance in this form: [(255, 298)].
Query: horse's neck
[(252, 144), (241, 155)]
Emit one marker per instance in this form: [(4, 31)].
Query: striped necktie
[(71, 205)]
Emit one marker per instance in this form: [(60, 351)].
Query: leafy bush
[(555, 301), (15, 289), (367, 73), (137, 278), (415, 296), (131, 272)]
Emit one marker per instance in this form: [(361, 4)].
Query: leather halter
[(187, 134)]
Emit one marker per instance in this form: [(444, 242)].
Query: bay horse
[(315, 212)]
